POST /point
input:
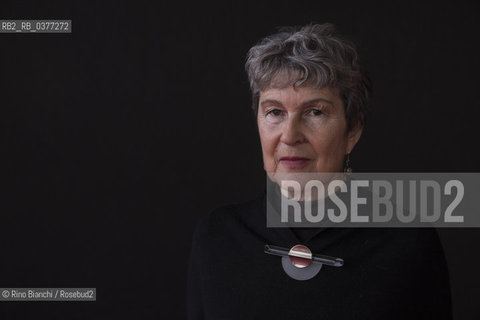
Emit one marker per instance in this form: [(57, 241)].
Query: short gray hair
[(313, 55)]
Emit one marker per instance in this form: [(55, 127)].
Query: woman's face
[(304, 130)]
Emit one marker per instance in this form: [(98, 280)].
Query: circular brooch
[(299, 263)]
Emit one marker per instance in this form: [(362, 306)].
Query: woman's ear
[(353, 136)]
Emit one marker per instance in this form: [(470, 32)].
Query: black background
[(116, 138)]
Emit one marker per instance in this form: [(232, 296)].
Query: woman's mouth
[(294, 162)]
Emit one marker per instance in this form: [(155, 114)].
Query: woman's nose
[(292, 132)]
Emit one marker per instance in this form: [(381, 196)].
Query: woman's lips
[(294, 162)]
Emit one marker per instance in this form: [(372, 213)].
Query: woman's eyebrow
[(319, 100), (271, 101)]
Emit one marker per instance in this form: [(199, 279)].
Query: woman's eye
[(316, 112), (275, 112)]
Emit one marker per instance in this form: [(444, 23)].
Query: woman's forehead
[(300, 95), (291, 77)]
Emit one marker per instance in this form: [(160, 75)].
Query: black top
[(389, 273)]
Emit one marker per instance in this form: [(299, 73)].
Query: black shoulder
[(221, 218)]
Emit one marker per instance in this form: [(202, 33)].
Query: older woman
[(311, 98)]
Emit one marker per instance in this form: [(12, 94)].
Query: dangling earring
[(347, 169)]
